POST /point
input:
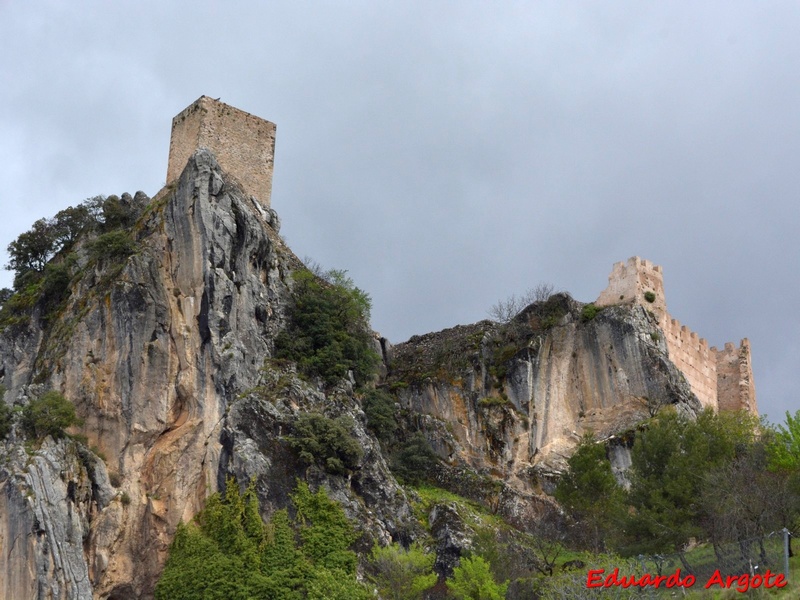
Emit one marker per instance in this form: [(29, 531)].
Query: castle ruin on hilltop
[(721, 379), (243, 144)]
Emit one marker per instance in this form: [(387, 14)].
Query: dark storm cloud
[(450, 154)]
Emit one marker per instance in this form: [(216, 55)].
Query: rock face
[(166, 354), (512, 402), (159, 355), (47, 501)]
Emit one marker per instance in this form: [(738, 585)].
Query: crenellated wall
[(630, 281), (721, 379), (698, 363)]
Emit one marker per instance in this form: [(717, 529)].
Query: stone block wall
[(698, 363), (630, 281), (243, 144), (735, 385), (721, 379)]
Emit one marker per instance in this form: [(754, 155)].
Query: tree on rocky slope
[(328, 333), (591, 494), (229, 553)]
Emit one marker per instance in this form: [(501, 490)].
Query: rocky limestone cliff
[(166, 355), (160, 356), (512, 401)]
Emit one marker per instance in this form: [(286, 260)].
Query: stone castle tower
[(243, 144), (721, 379)]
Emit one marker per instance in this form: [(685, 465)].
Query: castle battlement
[(721, 379), (243, 144)]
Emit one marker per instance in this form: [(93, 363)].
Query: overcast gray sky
[(449, 154)]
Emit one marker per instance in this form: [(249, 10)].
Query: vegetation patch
[(379, 408), (50, 414), (229, 550), (328, 334), (589, 312), (413, 461), (327, 443)]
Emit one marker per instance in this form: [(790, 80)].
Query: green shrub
[(379, 409), (328, 332), (327, 443), (589, 312), (401, 574), (49, 414), (6, 415), (414, 460), (650, 297), (473, 580), (112, 245), (490, 401)]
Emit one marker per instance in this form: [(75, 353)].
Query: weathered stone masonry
[(721, 379), (243, 144)]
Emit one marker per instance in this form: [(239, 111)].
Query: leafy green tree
[(670, 461), (472, 580), (70, 223), (379, 410), (230, 553), (326, 532), (326, 584), (784, 446), (32, 249), (5, 294), (49, 414), (591, 494), (328, 331), (414, 459), (327, 442), (401, 574)]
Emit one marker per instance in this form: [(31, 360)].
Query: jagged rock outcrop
[(47, 500), (159, 353), (512, 401)]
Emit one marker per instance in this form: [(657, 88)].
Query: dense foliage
[(413, 460), (5, 415), (718, 478), (328, 332), (230, 553), (327, 443), (379, 408), (589, 491), (400, 574), (50, 414), (44, 258), (473, 580)]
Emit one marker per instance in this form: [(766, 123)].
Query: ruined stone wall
[(243, 144), (735, 386), (721, 379)]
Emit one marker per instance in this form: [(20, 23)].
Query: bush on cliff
[(6, 415), (51, 414), (327, 443), (328, 331)]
